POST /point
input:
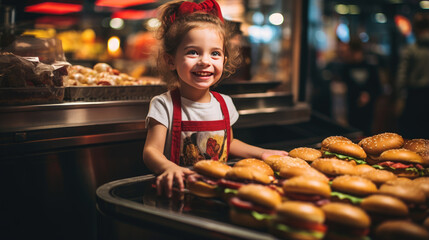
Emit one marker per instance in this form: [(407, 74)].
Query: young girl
[(190, 123)]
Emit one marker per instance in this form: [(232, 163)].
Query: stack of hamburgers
[(344, 190)]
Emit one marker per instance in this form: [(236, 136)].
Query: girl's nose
[(204, 59)]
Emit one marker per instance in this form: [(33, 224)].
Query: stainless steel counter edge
[(115, 206)]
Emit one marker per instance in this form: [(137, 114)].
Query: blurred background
[(120, 33)]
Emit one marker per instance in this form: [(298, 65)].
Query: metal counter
[(129, 209)]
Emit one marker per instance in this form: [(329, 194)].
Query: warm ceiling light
[(122, 3), (424, 4), (54, 8), (134, 14)]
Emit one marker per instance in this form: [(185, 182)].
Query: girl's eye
[(217, 53), (192, 52)]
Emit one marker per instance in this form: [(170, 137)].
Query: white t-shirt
[(161, 109)]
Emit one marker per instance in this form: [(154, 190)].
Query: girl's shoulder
[(163, 97), (226, 98)]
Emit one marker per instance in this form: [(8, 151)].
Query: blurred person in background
[(363, 87), (412, 83), (327, 84)]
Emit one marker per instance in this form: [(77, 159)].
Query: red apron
[(198, 126)]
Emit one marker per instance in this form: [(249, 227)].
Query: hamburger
[(331, 139), (400, 230), (276, 162), (375, 145), (402, 162), (346, 221), (258, 164), (345, 150), (307, 189), (253, 206), (383, 207), (204, 183), (411, 195), (421, 147), (332, 167), (237, 177), (305, 153), (298, 221), (351, 189)]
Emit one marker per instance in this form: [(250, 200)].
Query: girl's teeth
[(203, 74)]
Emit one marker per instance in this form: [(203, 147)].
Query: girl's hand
[(269, 152), (175, 175)]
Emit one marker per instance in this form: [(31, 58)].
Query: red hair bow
[(208, 6)]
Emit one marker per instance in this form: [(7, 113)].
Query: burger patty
[(197, 177), (317, 200)]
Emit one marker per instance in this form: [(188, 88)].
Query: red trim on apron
[(179, 125)]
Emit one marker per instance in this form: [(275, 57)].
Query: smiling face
[(199, 59)]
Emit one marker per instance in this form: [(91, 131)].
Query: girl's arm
[(243, 150), (153, 156)]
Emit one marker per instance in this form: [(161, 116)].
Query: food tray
[(31, 95), (112, 93)]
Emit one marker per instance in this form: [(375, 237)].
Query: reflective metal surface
[(142, 214)]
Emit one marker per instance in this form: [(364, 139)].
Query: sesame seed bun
[(332, 139), (276, 162), (255, 163), (417, 145), (353, 185), (379, 143), (346, 214), (211, 168), (305, 153), (333, 167), (307, 185), (384, 204)]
